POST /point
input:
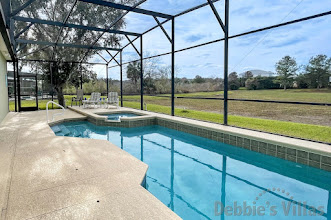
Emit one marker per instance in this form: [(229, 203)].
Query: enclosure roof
[(50, 30), (59, 30)]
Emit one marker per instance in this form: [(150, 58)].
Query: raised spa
[(118, 116), (193, 175)]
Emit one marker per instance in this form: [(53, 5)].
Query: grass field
[(308, 114), (306, 131), (304, 121)]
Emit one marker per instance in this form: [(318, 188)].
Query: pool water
[(118, 116), (193, 175)]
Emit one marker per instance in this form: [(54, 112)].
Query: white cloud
[(256, 51)]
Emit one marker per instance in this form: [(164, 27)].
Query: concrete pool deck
[(43, 176)]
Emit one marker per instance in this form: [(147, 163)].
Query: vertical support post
[(226, 61), (81, 77), (42, 89), (173, 67), (141, 75), (52, 90), (18, 86), (121, 85), (15, 88), (37, 91), (107, 80)]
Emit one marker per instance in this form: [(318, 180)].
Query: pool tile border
[(264, 146), (125, 124)]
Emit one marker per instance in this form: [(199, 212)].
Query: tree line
[(315, 74), (157, 79)]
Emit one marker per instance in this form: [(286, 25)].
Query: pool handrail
[(55, 113)]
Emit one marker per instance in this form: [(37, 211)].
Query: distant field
[(308, 114), (311, 122), (311, 132)]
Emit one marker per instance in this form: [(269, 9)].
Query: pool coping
[(121, 178), (305, 152), (140, 116)]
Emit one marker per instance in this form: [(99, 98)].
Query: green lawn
[(314, 121), (306, 114), (42, 103), (299, 95), (306, 131)]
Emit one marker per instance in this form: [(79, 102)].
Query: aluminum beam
[(226, 62), (52, 61), (65, 45), (217, 15), (83, 27), (127, 8), (112, 24), (173, 67), (162, 28), (4, 33), (141, 75), (132, 45), (61, 29), (102, 57), (112, 58), (121, 72), (22, 7), (22, 31)]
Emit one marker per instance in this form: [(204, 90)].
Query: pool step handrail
[(55, 113)]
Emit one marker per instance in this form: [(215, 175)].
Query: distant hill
[(259, 73)]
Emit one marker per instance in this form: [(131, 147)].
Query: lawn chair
[(113, 99), (95, 100), (79, 97)]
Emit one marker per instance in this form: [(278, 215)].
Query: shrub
[(260, 82)]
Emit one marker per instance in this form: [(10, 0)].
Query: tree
[(252, 84), (262, 82), (133, 73), (82, 14), (150, 73), (248, 75), (318, 71), (163, 81), (234, 82), (302, 81), (286, 69), (198, 79)]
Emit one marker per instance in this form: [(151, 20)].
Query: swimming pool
[(193, 175)]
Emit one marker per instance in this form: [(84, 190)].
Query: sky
[(256, 51)]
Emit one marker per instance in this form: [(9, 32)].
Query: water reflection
[(189, 174)]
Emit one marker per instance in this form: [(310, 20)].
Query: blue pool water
[(190, 174), (118, 116)]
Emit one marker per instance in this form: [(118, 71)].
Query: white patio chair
[(95, 100), (112, 99), (79, 97), (86, 102)]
